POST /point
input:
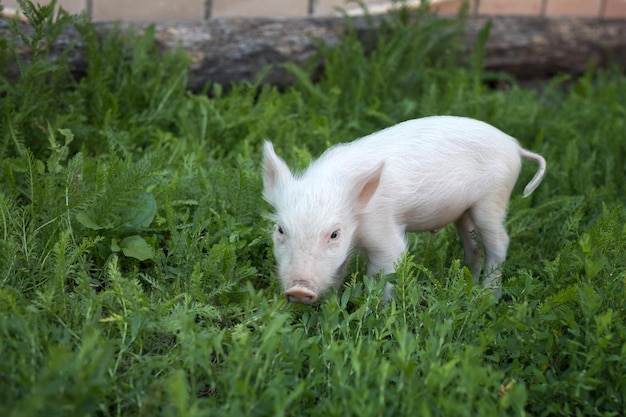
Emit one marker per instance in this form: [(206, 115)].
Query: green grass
[(136, 269)]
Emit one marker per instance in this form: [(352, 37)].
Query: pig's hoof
[(300, 295)]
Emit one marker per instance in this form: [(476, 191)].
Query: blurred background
[(180, 10)]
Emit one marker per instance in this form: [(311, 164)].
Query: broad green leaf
[(142, 213), (136, 247), (87, 221), (115, 247), (68, 135)]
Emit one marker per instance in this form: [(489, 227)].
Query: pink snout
[(299, 294)]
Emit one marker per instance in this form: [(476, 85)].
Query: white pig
[(416, 176)]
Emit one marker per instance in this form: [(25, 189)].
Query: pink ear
[(367, 185), (275, 172)]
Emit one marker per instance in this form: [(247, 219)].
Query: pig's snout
[(300, 294)]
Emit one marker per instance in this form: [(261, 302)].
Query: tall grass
[(136, 270)]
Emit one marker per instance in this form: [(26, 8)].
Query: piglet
[(416, 176)]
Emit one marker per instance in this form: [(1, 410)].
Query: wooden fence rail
[(186, 10)]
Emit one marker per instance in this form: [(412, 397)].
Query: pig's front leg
[(383, 244)]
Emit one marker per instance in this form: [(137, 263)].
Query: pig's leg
[(471, 251), (489, 220), (384, 244)]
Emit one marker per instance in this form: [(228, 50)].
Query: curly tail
[(534, 183)]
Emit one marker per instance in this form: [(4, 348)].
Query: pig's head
[(316, 218)]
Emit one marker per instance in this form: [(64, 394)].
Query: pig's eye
[(334, 235), (280, 229)]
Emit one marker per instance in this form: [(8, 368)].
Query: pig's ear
[(367, 184), (275, 172)]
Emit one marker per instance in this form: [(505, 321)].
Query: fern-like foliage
[(115, 185), (28, 106)]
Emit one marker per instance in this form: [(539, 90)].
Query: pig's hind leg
[(488, 217), (469, 238)]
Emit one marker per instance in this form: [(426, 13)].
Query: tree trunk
[(237, 49)]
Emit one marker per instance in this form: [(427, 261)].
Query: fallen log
[(229, 50)]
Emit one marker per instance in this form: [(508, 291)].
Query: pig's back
[(422, 145), (429, 163), (423, 142)]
